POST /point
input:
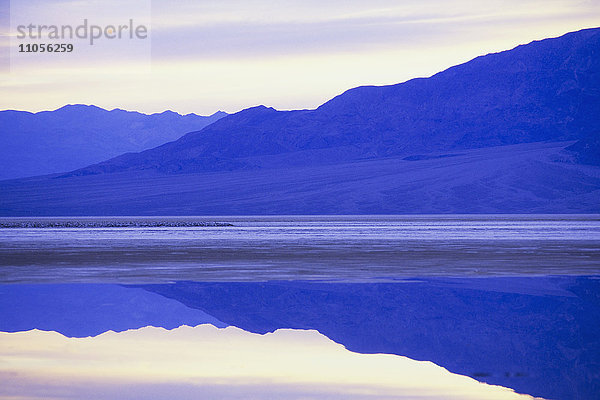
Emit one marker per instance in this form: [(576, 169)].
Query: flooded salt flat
[(338, 248), (405, 285)]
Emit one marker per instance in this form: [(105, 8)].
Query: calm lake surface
[(405, 285), (330, 248)]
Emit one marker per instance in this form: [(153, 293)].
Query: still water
[(330, 248)]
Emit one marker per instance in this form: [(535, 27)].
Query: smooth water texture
[(337, 248)]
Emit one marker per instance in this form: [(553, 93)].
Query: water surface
[(336, 248)]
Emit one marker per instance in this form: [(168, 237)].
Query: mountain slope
[(587, 150), (512, 132), (544, 91), (520, 178), (76, 135)]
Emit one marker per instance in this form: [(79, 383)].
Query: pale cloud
[(293, 29), (234, 54), (227, 363)]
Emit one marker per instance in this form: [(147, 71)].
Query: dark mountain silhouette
[(486, 136), (543, 91), (74, 136)]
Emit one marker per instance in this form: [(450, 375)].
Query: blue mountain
[(543, 91), (74, 136), (507, 132)]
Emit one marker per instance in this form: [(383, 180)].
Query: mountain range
[(515, 131), (78, 135)]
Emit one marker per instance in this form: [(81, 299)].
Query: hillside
[(544, 91), (511, 132), (74, 136)]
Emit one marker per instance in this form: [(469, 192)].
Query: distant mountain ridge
[(547, 90), (510, 132), (74, 136)]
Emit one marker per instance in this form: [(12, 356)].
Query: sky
[(203, 56)]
